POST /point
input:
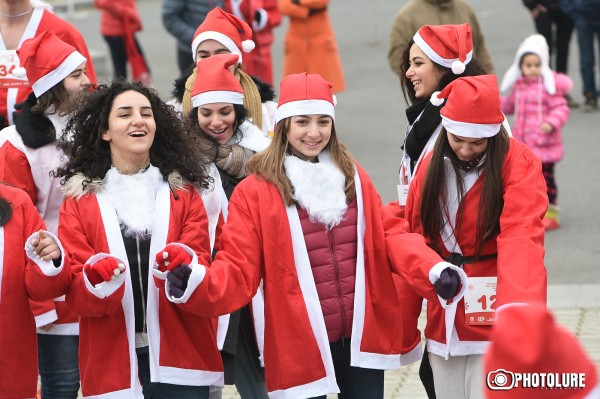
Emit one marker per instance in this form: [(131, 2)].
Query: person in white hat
[(537, 99), (228, 140), (478, 199), (56, 72), (131, 214), (308, 222), (33, 265)]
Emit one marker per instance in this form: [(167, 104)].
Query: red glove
[(104, 270), (171, 257)]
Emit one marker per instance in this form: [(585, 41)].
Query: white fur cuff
[(46, 266)]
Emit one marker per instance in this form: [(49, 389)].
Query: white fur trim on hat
[(471, 130), (248, 46), (435, 57), (435, 100), (218, 96), (218, 36), (304, 107), (51, 79)]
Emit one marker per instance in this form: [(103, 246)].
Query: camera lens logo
[(500, 380)]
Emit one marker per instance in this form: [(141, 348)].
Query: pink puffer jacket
[(332, 255), (532, 104)]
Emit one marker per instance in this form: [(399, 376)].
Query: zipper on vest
[(338, 285), (139, 262)]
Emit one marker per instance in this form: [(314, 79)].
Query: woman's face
[(467, 148), (217, 121), (211, 47), (308, 135), (422, 73), (77, 80), (131, 128)]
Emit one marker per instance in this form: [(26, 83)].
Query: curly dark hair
[(473, 68), (172, 150), (193, 127)]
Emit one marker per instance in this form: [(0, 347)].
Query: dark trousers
[(559, 39), (548, 171), (59, 368), (354, 382), (157, 390), (426, 375), (118, 54)]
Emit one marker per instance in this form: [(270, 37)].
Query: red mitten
[(171, 257), (104, 270)]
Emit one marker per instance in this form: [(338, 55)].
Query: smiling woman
[(131, 186)]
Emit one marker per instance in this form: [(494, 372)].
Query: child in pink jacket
[(537, 99)]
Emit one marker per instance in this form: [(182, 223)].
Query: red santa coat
[(183, 349), (263, 239), (519, 265), (42, 20), (44, 191), (22, 276)]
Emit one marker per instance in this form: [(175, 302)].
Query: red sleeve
[(78, 239), (15, 170), (521, 271), (234, 276), (270, 6)]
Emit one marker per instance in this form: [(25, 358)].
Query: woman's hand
[(45, 247)]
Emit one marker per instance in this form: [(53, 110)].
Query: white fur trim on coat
[(252, 137), (318, 188)]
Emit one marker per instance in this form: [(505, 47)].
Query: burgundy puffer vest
[(332, 255)]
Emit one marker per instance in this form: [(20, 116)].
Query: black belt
[(459, 260)]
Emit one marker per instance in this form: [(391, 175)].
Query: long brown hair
[(268, 164), (491, 202)]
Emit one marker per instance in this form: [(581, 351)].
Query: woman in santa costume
[(22, 20), (221, 33), (228, 140), (131, 186), (33, 265), (307, 221), (479, 199), (28, 155)]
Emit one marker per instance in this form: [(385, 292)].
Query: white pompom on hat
[(527, 339), (533, 44), (216, 83), (472, 107), (450, 46), (304, 94), (225, 28), (47, 60)]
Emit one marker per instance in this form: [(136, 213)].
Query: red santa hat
[(534, 44), (216, 83), (46, 60), (226, 29), (450, 46), (472, 106), (526, 339), (304, 94)]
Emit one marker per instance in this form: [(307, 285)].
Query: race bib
[(402, 194), (8, 62), (480, 300)]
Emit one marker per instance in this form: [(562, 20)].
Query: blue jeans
[(586, 30), (157, 390), (354, 382), (59, 368)]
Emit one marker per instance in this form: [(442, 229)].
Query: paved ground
[(370, 118)]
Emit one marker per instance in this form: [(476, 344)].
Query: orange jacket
[(310, 44)]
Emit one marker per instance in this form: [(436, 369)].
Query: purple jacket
[(532, 104)]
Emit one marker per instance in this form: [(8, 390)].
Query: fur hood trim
[(35, 129), (79, 185)]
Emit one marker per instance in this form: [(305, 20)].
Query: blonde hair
[(268, 165)]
